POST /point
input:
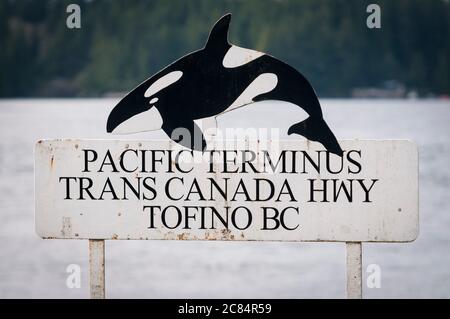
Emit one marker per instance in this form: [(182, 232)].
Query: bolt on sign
[(285, 191)]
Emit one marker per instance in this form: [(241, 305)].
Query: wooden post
[(97, 268), (354, 270)]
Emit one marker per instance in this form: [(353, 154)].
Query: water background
[(34, 268)]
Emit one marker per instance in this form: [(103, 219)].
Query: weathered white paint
[(237, 56), (150, 120), (163, 82), (354, 270), (391, 217), (264, 83), (97, 269)]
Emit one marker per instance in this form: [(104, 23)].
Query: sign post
[(97, 268), (101, 190), (354, 270)]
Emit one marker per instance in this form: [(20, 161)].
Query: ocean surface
[(31, 267)]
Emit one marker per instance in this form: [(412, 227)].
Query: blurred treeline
[(123, 42)]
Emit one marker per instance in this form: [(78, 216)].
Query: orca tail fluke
[(316, 129)]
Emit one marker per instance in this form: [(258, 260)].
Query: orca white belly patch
[(163, 82), (237, 56), (264, 83), (146, 121)]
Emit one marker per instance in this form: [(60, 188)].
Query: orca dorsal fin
[(218, 37)]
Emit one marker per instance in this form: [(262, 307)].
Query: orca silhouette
[(216, 79)]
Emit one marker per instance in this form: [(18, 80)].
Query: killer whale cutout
[(207, 83)]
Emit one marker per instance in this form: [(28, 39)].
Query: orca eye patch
[(154, 100), (163, 82)]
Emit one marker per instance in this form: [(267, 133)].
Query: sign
[(280, 191)]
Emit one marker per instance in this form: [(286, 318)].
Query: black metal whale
[(216, 79)]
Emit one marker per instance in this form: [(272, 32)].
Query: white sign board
[(283, 191)]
